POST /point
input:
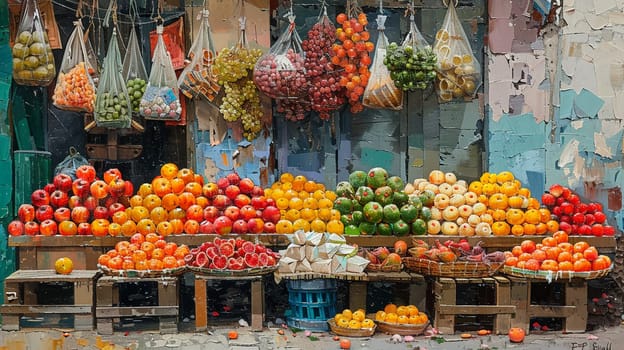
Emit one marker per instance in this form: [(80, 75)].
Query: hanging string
[(79, 13), (127, 18), (381, 6)]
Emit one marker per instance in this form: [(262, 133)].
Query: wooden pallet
[(256, 293), (574, 310), (21, 298), (446, 308), (108, 311)]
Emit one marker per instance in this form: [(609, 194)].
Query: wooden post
[(83, 295), (104, 297), (503, 297), (520, 298), (201, 304), (11, 297), (576, 295), (257, 304), (445, 294), (357, 295), (168, 296)]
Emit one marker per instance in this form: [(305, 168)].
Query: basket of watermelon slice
[(231, 257)]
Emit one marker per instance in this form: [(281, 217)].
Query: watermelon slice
[(211, 253), (226, 249), (220, 262), (260, 248), (263, 259), (234, 264), (239, 242), (251, 260), (248, 247), (206, 245), (189, 259), (201, 259)]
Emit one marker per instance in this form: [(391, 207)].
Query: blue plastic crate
[(312, 303)]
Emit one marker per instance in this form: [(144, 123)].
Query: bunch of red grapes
[(352, 54)]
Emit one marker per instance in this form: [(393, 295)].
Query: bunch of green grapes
[(410, 69), (232, 64)]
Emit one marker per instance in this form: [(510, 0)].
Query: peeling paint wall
[(555, 105)]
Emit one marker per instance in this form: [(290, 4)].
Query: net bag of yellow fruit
[(380, 91), (198, 79), (160, 100), (134, 71), (33, 61), (459, 72), (75, 90), (112, 104)]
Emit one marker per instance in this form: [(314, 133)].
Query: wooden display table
[(108, 309), (21, 297), (256, 298)]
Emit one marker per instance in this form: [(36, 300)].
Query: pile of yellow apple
[(353, 319)]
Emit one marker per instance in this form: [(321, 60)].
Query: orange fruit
[(317, 225), (390, 308), (145, 226), (158, 215), (128, 228), (169, 201), (169, 171)]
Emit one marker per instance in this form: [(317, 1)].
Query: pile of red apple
[(73, 207), (231, 254), (574, 216), (237, 206)]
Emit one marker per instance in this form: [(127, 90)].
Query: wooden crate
[(358, 287), (256, 298), (108, 310), (573, 311), (446, 308), (21, 299)]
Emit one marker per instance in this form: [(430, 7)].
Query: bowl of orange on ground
[(352, 324), (402, 320)]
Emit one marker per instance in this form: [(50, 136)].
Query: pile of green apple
[(33, 61)]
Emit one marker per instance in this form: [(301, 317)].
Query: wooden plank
[(11, 296), (25, 258), (503, 297), (51, 276), (552, 311), (84, 294), (257, 304), (475, 309), (445, 295), (520, 299), (46, 309), (134, 311), (201, 304), (576, 294)]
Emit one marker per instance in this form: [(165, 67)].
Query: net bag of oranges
[(160, 100), (197, 79), (75, 90), (380, 91), (112, 104), (134, 71), (459, 73), (280, 73), (33, 62)]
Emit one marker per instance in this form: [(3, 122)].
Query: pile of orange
[(353, 319), (172, 203), (555, 253), (511, 207), (74, 90), (149, 252), (304, 205), (401, 315)]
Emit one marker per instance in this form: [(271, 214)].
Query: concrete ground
[(216, 339)]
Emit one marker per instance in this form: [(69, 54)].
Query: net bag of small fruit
[(198, 79), (75, 90), (280, 73), (411, 64), (459, 74), (112, 103), (380, 91), (160, 100), (134, 71), (33, 62)]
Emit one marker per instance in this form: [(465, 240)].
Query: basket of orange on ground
[(352, 324), (144, 256), (304, 205), (556, 259), (402, 320)]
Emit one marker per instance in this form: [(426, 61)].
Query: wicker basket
[(258, 271), (401, 329), (349, 332), (465, 269), (555, 275), (142, 273), (382, 268)]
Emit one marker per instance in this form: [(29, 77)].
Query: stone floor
[(270, 338)]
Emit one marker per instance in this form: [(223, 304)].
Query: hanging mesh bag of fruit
[(380, 92), (75, 90), (459, 73), (33, 61), (160, 100), (198, 79), (134, 71), (412, 64), (112, 104), (325, 93), (280, 73)]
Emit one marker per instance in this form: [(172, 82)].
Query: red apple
[(115, 207), (608, 230), (221, 201), (565, 218), (560, 200), (223, 182), (26, 212), (84, 229), (566, 193), (556, 190), (74, 201), (246, 185), (86, 172), (257, 191), (44, 212), (90, 203), (15, 228), (601, 218), (111, 175), (210, 190), (271, 214), (63, 182), (59, 199), (255, 225), (99, 189), (128, 188), (31, 228), (597, 230), (247, 212), (574, 199), (206, 227), (39, 197), (81, 187), (567, 208), (62, 214), (48, 227), (590, 219), (49, 188), (548, 199), (117, 188), (241, 200), (232, 191), (232, 212), (259, 202), (564, 226), (578, 218), (584, 230), (80, 214), (233, 178), (223, 225), (100, 212), (211, 213), (269, 227), (195, 212), (239, 226)]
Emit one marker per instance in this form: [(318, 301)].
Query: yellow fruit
[(391, 317), (343, 322), (413, 310), (311, 203), (347, 314), (286, 177), (282, 203), (380, 315), (295, 203), (390, 308), (353, 324), (402, 311), (359, 316), (331, 195), (301, 224), (292, 215), (324, 214), (335, 214), (308, 214), (403, 319), (368, 323), (335, 226), (317, 225), (325, 203)]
